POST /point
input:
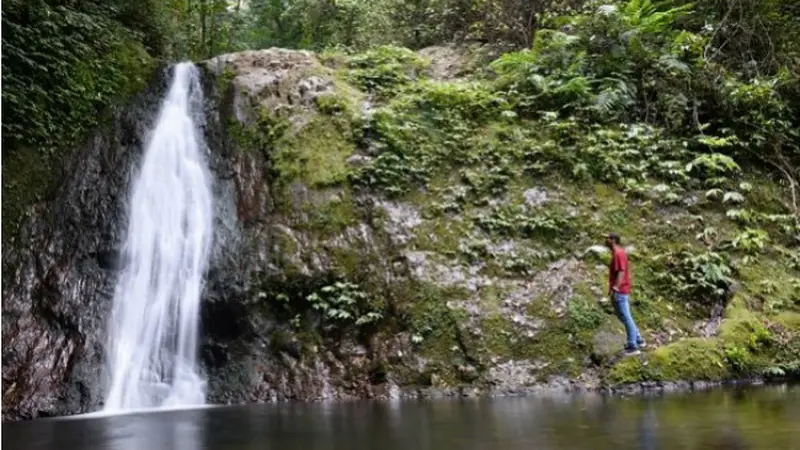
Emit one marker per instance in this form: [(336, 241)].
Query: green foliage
[(356, 24), (593, 69), (750, 36), (421, 132), (344, 303), (317, 24), (470, 102), (210, 27), (634, 61), (702, 277), (331, 104), (513, 220), (63, 66), (552, 76), (645, 16), (584, 315), (325, 305), (739, 358), (751, 240), (627, 155), (712, 165), (385, 69)]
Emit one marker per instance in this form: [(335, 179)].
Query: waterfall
[(153, 334)]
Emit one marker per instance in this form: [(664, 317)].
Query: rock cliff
[(380, 232)]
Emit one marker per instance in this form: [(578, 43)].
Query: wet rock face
[(59, 274)]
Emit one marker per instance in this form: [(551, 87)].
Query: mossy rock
[(688, 359), (316, 154)]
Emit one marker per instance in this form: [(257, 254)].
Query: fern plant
[(703, 277), (344, 303), (615, 95), (646, 16), (751, 240)]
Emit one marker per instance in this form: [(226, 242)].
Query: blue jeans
[(623, 309)]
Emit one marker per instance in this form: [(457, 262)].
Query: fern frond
[(673, 64), (615, 94)]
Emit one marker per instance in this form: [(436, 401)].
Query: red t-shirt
[(619, 263)]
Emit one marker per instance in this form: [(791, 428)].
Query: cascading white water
[(153, 335)]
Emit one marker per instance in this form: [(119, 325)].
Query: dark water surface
[(749, 418)]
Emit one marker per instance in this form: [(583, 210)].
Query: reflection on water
[(755, 418)]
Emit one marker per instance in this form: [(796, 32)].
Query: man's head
[(612, 239)]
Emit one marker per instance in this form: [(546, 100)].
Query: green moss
[(316, 155), (384, 70), (561, 350), (332, 104), (262, 136), (426, 314), (790, 320), (747, 345), (770, 280), (345, 100), (629, 370), (224, 80), (498, 339), (688, 359), (287, 253), (28, 178), (740, 325), (440, 235), (331, 217), (349, 262), (498, 336), (560, 344)]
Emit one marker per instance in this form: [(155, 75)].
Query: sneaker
[(642, 345), (630, 351)]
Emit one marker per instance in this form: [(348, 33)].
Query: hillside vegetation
[(507, 170)]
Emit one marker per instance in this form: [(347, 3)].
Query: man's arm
[(617, 280)]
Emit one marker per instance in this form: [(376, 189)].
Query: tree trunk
[(487, 20), (202, 25), (532, 24)]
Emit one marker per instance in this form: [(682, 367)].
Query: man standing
[(619, 289)]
